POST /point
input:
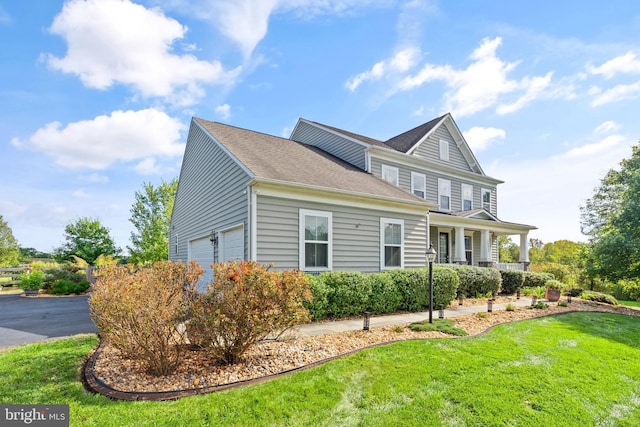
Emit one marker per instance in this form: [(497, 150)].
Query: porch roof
[(477, 219)]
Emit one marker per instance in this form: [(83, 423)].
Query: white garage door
[(232, 244), (201, 251)]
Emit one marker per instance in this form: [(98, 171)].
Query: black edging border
[(95, 385)]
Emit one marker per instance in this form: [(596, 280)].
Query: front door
[(443, 248)]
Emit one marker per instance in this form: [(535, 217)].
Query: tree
[(150, 215), (610, 218), (86, 238), (508, 251), (9, 250)]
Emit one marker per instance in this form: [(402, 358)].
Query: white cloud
[(223, 111), (481, 84), (148, 166), (123, 136), (116, 41), (81, 193), (95, 178), (615, 94), (627, 63), (548, 192), (480, 138), (606, 127), (401, 62)]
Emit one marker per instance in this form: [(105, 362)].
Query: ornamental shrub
[(33, 280), (478, 281), (348, 293), (631, 289), (413, 285), (385, 296), (67, 287), (66, 273), (512, 280), (599, 297), (245, 303), (554, 284), (139, 311), (318, 304), (532, 280)]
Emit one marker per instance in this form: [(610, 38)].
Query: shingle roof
[(275, 158), (408, 139), (362, 138)]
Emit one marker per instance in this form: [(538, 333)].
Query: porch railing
[(510, 266)]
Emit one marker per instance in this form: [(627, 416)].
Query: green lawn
[(578, 369), (630, 303)]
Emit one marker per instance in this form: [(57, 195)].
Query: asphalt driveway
[(29, 319)]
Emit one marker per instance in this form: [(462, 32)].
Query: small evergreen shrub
[(67, 287), (66, 273), (385, 296), (478, 281), (532, 280), (318, 304), (512, 280), (348, 293), (599, 297), (33, 280), (413, 285), (574, 292), (540, 306)]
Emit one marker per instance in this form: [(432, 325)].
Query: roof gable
[(407, 141)]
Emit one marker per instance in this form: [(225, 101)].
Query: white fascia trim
[(226, 150), (295, 128), (426, 135), (441, 220), (402, 158), (461, 142), (287, 190), (341, 135)]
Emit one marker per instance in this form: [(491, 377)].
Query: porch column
[(485, 246), (459, 256), (524, 251)]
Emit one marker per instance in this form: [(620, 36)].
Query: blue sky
[(96, 95)]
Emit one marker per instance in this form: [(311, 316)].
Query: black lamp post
[(431, 256)]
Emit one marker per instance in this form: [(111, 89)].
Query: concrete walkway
[(401, 319)]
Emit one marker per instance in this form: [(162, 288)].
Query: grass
[(442, 325), (575, 369), (630, 303)]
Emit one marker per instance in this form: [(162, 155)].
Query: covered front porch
[(471, 238)]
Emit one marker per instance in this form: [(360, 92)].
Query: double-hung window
[(486, 199), (444, 194), (315, 240), (390, 174), (419, 184), (467, 197), (391, 243)]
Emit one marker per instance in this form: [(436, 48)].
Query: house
[(328, 199)]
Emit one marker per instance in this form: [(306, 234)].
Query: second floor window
[(419, 184), (444, 194), (390, 174), (467, 197), (486, 199)]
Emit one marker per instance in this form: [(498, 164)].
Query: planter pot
[(552, 295)]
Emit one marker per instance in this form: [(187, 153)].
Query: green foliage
[(29, 253), (67, 287), (413, 285), (508, 251), (348, 293), (86, 238), (64, 281), (32, 280), (574, 292), (318, 304), (562, 304), (540, 306), (560, 272), (9, 249), (512, 280), (631, 289), (478, 281), (150, 215), (244, 304), (554, 285), (599, 297), (532, 279), (441, 325), (510, 307), (139, 311), (385, 297)]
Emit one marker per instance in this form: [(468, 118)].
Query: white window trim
[(302, 241), (482, 193), (391, 170), (448, 194), (383, 222), (444, 150), (424, 180), (462, 188)]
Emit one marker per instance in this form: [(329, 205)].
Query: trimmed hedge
[(512, 280), (339, 294), (477, 281), (532, 280)]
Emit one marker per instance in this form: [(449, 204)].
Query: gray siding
[(211, 194), (342, 148), (430, 150), (404, 176), (356, 235)]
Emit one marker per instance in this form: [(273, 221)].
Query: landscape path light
[(431, 256)]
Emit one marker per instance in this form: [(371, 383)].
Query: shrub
[(348, 293), (562, 304), (445, 285), (554, 285), (599, 297), (139, 311), (413, 285), (245, 303), (33, 280), (441, 325), (67, 287), (385, 296), (478, 281), (54, 275), (540, 306), (631, 289), (559, 271), (532, 280), (318, 304), (512, 280), (510, 307), (574, 292)]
